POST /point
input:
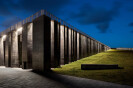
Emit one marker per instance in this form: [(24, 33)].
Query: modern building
[(43, 41)]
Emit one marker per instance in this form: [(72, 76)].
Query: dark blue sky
[(108, 21)]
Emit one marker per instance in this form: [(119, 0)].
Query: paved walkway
[(18, 78)]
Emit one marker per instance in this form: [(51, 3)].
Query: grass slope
[(121, 76)]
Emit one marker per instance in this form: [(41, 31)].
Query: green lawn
[(121, 76)]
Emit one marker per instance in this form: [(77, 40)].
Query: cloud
[(7, 7), (4, 10), (101, 17), (10, 21), (103, 27), (130, 24), (50, 5)]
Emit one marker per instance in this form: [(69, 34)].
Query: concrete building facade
[(42, 42)]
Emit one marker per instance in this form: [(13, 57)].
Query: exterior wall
[(8, 51), (77, 46), (14, 49), (27, 45), (69, 44), (1, 51), (62, 30), (45, 44), (41, 43), (56, 45), (66, 56)]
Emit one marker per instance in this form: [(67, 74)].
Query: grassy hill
[(121, 76)]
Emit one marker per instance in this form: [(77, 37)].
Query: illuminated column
[(66, 56), (92, 47), (27, 45), (56, 45), (8, 50), (77, 46), (52, 43), (85, 46), (2, 54), (14, 49), (72, 49), (41, 59), (98, 47), (80, 52), (69, 44), (62, 44), (82, 46), (88, 47)]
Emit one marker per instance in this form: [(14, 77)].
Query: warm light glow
[(3, 37), (19, 29)]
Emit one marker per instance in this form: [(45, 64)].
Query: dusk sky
[(108, 21)]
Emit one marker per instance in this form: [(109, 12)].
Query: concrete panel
[(92, 47), (88, 47), (62, 44), (52, 43), (41, 43), (72, 49), (2, 50), (98, 48), (8, 51), (85, 48), (20, 49), (80, 46), (27, 45), (56, 44), (66, 56), (14, 49), (69, 44), (77, 46)]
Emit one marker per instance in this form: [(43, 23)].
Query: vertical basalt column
[(72, 48), (96, 47), (27, 45), (77, 46), (1, 51), (85, 39), (88, 47), (62, 44), (100, 47), (66, 56), (82, 46), (20, 49), (14, 49), (98, 50), (41, 59), (52, 43), (8, 51), (92, 47), (69, 44), (56, 44)]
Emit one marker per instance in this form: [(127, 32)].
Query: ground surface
[(18, 78), (121, 76)]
